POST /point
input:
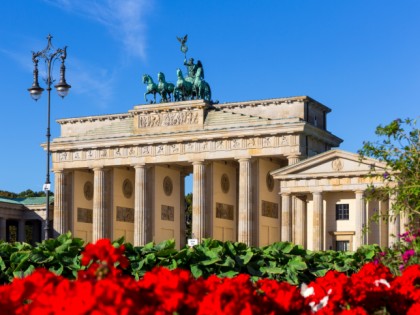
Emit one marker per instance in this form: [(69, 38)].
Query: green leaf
[(196, 271), (29, 270), (272, 270), (210, 261), (2, 264), (228, 274), (296, 263), (58, 270)]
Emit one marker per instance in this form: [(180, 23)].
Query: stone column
[(383, 225), (286, 215), (141, 223), (298, 226), (3, 229), (21, 236), (199, 200), (245, 228), (318, 221), (360, 217), (404, 222), (393, 223), (182, 209), (60, 209), (99, 227)]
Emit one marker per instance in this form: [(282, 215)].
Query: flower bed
[(103, 289)]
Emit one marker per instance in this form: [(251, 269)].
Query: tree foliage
[(24, 194), (188, 215), (399, 148)]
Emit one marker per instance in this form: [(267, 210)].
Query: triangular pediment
[(332, 163)]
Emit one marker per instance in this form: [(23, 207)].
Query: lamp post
[(49, 56)]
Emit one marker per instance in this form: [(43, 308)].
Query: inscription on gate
[(167, 213), (125, 214), (224, 211), (84, 215), (270, 209)]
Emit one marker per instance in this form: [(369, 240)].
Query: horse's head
[(146, 78), (198, 72), (179, 73), (161, 77)]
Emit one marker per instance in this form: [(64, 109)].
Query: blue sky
[(361, 58)]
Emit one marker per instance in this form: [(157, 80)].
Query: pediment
[(331, 163)]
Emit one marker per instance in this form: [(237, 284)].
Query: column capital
[(197, 162), (139, 165), (294, 158), (316, 193), (244, 159), (98, 168), (359, 193)]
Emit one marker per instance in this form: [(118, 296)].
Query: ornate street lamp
[(49, 56)]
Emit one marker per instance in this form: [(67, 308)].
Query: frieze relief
[(177, 148), (146, 150), (168, 119)]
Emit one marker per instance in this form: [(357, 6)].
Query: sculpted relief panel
[(160, 149), (177, 118)]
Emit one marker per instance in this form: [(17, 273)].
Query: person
[(191, 66)]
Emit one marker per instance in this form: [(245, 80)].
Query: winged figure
[(182, 40)]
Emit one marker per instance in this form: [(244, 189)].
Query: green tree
[(7, 194), (188, 215), (24, 194), (399, 148), (30, 193)]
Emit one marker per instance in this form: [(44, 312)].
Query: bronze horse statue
[(201, 88), (165, 89), (152, 87), (184, 87)]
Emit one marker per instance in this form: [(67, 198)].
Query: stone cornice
[(181, 151), (70, 143), (94, 118), (309, 176), (275, 101)]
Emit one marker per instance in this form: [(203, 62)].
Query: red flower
[(103, 259), (406, 289), (232, 296), (329, 293), (370, 288), (281, 297)]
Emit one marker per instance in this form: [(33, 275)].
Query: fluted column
[(60, 209), (318, 222), (199, 200), (3, 229), (99, 205), (245, 228), (182, 221), (298, 227), (360, 216), (393, 223), (286, 217), (141, 223), (21, 237)]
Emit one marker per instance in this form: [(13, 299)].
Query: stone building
[(263, 171), (22, 219)]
